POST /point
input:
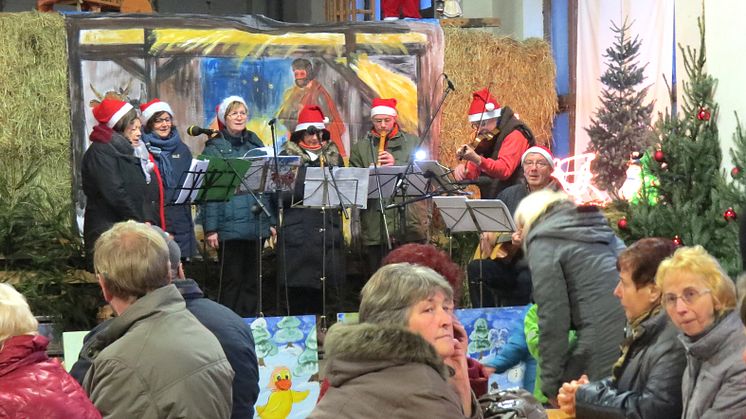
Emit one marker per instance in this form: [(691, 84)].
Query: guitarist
[(495, 160), (503, 267)]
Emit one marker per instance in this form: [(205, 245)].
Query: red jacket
[(34, 386)]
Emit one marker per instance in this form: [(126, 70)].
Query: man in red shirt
[(495, 161)]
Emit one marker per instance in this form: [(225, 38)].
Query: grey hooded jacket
[(572, 254)]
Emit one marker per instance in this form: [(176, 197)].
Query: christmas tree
[(288, 331), (622, 122), (262, 340), (308, 361), (693, 193), (479, 341)]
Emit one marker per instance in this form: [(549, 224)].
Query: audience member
[(31, 384), (646, 380), (572, 254), (700, 299), (407, 356), (155, 359)]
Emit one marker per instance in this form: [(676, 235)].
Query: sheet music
[(492, 215), (440, 171), (319, 191), (261, 175), (455, 213), (190, 188), (389, 176)]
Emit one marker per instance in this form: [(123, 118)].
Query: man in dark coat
[(508, 277)]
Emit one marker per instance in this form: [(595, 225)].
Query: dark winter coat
[(33, 386), (157, 360), (179, 220), (378, 371), (572, 254), (234, 220), (714, 383), (113, 183), (302, 237), (649, 385), (402, 147)]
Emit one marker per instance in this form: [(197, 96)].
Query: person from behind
[(572, 253), (155, 359), (646, 380), (700, 299), (31, 384), (407, 356)]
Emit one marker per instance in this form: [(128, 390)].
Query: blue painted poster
[(287, 351)]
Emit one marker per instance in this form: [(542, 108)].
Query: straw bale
[(520, 75), (34, 104)]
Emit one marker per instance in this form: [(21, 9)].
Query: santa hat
[(483, 106), (539, 149), (153, 107), (110, 111), (383, 107), (311, 116), (223, 107)]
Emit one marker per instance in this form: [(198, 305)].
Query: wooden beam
[(480, 22)]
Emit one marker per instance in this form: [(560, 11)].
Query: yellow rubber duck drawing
[(281, 400)]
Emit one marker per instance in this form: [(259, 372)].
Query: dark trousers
[(239, 265), (504, 283)]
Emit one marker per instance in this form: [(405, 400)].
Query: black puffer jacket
[(650, 383)]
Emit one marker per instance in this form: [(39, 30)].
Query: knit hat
[(223, 107), (174, 252), (483, 106), (153, 107), (383, 107), (110, 111), (311, 116), (539, 149)]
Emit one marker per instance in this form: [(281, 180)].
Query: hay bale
[(520, 75), (34, 105)]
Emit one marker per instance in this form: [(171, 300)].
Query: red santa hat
[(153, 107), (223, 107), (383, 107), (110, 111), (539, 149), (311, 116), (483, 106)]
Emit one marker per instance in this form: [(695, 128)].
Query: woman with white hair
[(572, 253), (31, 384), (407, 356)]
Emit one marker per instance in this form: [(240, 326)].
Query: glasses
[(689, 296), (163, 121), (482, 124), (236, 114), (538, 163)]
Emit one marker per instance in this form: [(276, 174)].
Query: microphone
[(272, 121), (195, 131), (450, 83)]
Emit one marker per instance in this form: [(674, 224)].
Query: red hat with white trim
[(110, 111), (311, 116), (153, 107), (223, 107), (383, 107), (539, 149), (483, 106)]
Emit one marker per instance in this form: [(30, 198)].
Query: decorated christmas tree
[(622, 122), (693, 193)]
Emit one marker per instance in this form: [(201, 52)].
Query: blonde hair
[(15, 315), (133, 259), (391, 292), (695, 260), (534, 206)]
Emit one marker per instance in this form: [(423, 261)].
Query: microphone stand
[(280, 222), (381, 208)]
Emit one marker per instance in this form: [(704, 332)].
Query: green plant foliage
[(622, 122), (693, 192)]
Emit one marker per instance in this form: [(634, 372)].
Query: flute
[(381, 144)]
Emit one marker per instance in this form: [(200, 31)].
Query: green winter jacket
[(402, 147)]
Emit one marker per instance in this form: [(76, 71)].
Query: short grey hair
[(394, 289)]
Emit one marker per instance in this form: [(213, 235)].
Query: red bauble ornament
[(659, 156), (622, 223), (729, 215), (677, 240), (735, 172), (703, 114)]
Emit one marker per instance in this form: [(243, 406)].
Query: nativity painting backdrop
[(194, 61)]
